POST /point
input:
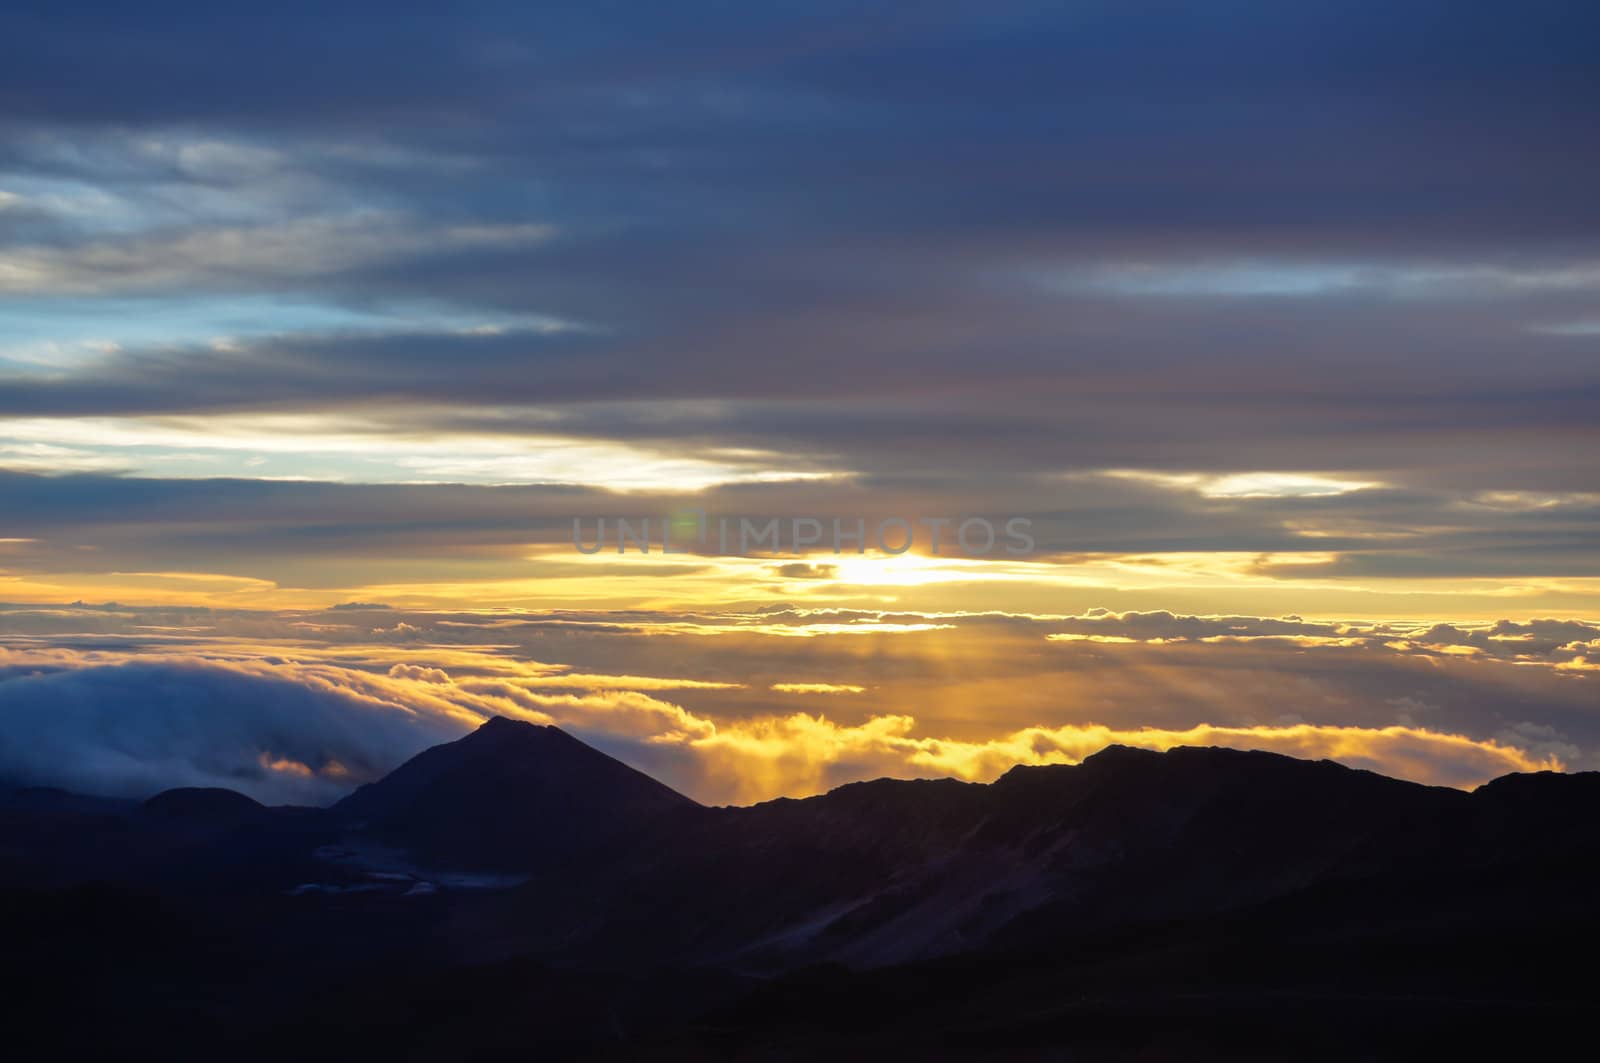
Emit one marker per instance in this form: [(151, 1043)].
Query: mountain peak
[(1117, 753), (207, 803), (510, 794), (506, 725), (1108, 756)]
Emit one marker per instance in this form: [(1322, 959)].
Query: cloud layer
[(303, 707)]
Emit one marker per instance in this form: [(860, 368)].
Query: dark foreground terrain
[(519, 894)]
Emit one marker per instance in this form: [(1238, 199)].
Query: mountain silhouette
[(891, 871), (207, 805), (510, 796), (1200, 901)]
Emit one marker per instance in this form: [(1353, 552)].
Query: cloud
[(136, 728), (805, 570), (291, 721), (1540, 642), (818, 688), (418, 673), (197, 258), (1198, 259), (1176, 300), (802, 754)]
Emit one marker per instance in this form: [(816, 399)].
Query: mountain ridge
[(1056, 898)]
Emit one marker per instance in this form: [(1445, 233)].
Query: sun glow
[(905, 570)]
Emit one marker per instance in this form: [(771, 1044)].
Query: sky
[(1277, 324)]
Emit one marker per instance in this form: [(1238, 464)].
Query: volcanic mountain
[(510, 796)]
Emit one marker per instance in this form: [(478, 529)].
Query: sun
[(902, 570)]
